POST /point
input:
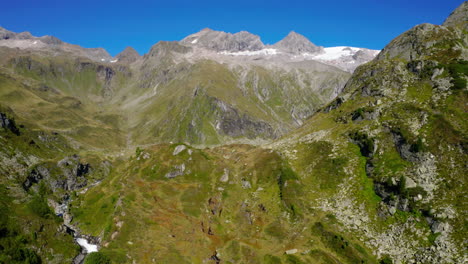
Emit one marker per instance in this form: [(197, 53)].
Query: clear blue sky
[(114, 25)]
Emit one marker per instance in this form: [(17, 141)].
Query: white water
[(89, 247)]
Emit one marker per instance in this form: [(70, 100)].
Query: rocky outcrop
[(72, 175), (178, 170), (8, 123), (35, 176)]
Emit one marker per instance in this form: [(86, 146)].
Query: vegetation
[(39, 206), (97, 258)]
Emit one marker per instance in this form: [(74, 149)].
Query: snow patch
[(86, 245), (114, 61), (334, 53), (251, 53), (194, 41)]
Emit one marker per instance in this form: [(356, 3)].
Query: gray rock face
[(73, 172), (9, 124), (458, 18), (72, 176), (234, 124), (297, 44), (128, 55), (35, 176), (177, 171), (222, 41)]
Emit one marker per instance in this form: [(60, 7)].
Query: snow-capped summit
[(221, 41), (294, 47)]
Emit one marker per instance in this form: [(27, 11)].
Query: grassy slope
[(190, 218), (432, 121), (28, 227), (40, 102), (188, 94)]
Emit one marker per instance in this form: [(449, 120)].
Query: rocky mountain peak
[(7, 34), (206, 30), (296, 43), (459, 17), (418, 43), (51, 40), (164, 48), (128, 55), (222, 41)]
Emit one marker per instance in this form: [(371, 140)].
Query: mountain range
[(221, 149), (254, 95)]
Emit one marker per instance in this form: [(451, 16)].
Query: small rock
[(410, 183), (179, 149), (246, 184), (291, 251), (225, 176)]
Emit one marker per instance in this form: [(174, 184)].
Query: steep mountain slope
[(37, 169), (61, 94), (218, 101), (401, 126)]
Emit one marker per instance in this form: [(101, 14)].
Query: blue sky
[(114, 25)]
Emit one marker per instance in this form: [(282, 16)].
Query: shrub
[(365, 144), (25, 255), (97, 258), (456, 70), (138, 151), (270, 259), (386, 260), (39, 206)]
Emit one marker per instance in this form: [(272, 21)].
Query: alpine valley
[(221, 149)]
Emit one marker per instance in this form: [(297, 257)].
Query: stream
[(87, 243)]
